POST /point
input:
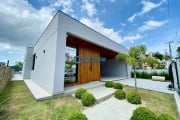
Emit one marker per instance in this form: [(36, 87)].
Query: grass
[(22, 105), (157, 102)]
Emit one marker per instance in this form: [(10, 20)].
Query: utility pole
[(170, 51)]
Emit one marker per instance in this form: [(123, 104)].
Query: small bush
[(134, 98), (77, 116), (117, 86), (79, 92), (120, 94), (88, 99), (147, 75), (142, 113), (109, 84), (165, 117)]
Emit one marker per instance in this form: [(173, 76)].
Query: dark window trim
[(34, 59)]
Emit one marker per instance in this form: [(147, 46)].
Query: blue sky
[(128, 22)]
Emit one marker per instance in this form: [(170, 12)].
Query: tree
[(135, 56), (152, 62), (18, 66), (178, 51), (158, 56)]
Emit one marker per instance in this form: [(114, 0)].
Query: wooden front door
[(89, 66)]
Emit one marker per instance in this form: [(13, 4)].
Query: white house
[(66, 37)]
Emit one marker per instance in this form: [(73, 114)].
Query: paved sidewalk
[(111, 109), (149, 85), (16, 77)]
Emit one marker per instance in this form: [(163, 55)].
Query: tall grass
[(146, 75), (3, 102)]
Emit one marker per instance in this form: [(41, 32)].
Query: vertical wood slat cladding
[(88, 71)]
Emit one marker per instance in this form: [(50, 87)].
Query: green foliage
[(69, 64), (79, 92), (146, 75), (77, 116), (165, 117), (151, 61), (18, 66), (134, 98), (3, 102), (88, 99), (134, 57), (120, 94), (142, 113), (109, 84), (158, 56), (178, 51), (117, 85)]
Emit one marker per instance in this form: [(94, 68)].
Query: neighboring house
[(93, 55)]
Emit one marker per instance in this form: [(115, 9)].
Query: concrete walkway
[(17, 76), (110, 109), (149, 85), (38, 92)]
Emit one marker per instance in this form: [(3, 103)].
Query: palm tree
[(135, 56)]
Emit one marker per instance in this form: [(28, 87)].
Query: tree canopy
[(135, 56)]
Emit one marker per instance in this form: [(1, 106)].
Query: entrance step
[(71, 90), (102, 93)]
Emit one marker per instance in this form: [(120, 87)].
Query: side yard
[(23, 106)]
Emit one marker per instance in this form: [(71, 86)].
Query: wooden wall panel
[(88, 71)]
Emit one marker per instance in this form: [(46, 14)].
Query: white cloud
[(109, 32), (65, 4), (88, 7), (149, 25), (147, 7), (131, 19), (99, 26), (22, 24), (132, 38)]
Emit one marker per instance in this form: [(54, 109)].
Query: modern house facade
[(70, 53)]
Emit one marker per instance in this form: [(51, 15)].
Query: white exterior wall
[(49, 66), (44, 69), (112, 68), (27, 65), (66, 25)]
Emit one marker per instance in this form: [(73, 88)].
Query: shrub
[(165, 117), (142, 113), (88, 99), (77, 116), (120, 94), (109, 84), (147, 75), (117, 86), (79, 92), (134, 98)]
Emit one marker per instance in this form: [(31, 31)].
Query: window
[(70, 73), (34, 58)]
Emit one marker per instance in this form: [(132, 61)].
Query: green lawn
[(157, 102), (22, 105)]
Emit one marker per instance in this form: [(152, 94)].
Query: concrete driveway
[(149, 85)]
